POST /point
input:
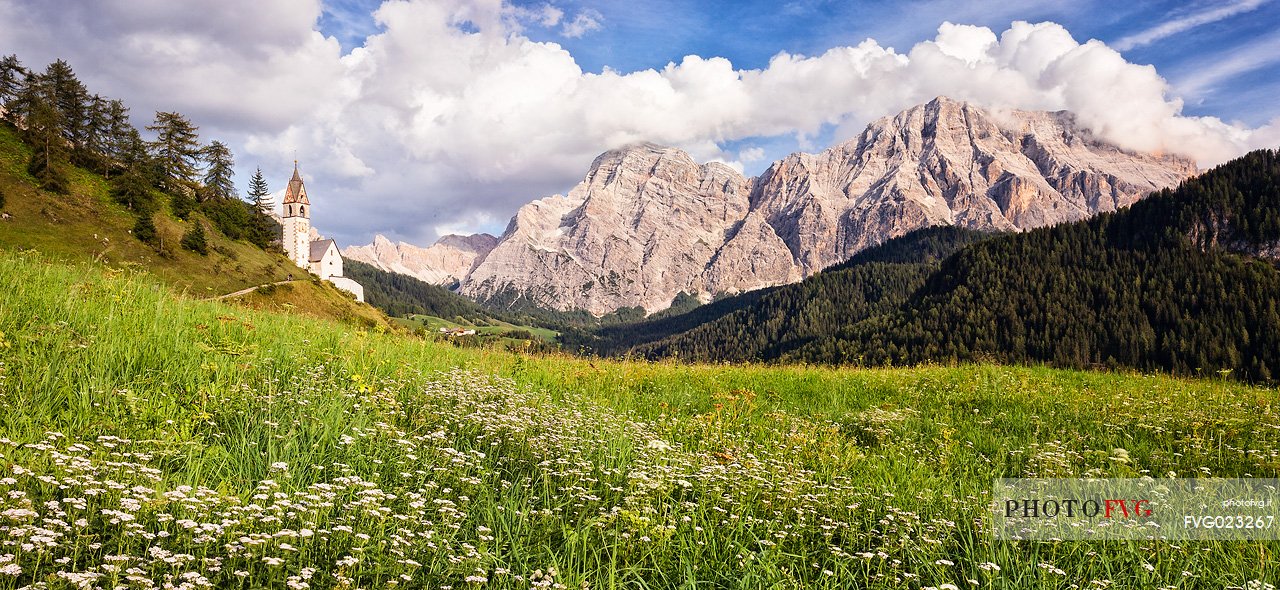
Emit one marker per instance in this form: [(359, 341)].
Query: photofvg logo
[(1146, 508), (1077, 508)]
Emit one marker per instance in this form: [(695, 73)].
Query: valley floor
[(150, 440)]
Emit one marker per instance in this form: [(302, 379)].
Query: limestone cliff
[(446, 262), (648, 222)]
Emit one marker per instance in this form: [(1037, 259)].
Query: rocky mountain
[(648, 222), (1184, 281), (645, 224), (446, 262)]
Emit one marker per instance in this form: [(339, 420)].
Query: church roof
[(319, 247), (296, 193)]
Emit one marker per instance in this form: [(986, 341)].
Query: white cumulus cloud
[(450, 116)]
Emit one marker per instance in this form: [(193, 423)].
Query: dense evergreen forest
[(1172, 283), (1184, 281), (401, 295), (66, 125), (762, 324)]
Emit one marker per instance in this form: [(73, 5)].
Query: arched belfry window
[(302, 210)]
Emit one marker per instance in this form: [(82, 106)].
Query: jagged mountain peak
[(446, 262), (648, 222)]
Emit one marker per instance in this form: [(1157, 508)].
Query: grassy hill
[(314, 298), (151, 438), (88, 224)]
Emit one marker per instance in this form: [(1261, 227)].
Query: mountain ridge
[(447, 261), (1185, 281), (648, 222)]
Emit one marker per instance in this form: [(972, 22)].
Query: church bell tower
[(296, 219)]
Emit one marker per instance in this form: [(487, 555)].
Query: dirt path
[(253, 288)]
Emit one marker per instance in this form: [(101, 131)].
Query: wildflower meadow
[(153, 441)]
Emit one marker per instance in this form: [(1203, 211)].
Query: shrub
[(194, 240), (133, 191), (145, 230), (181, 204)]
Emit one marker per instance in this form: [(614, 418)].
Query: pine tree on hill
[(132, 190), (145, 230), (122, 146), (72, 100), (95, 151), (43, 122), (176, 151), (12, 75), (182, 204), (194, 240), (217, 176), (118, 127), (131, 152), (259, 193)]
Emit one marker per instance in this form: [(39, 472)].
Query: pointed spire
[(296, 193)]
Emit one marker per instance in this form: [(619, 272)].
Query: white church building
[(318, 256)]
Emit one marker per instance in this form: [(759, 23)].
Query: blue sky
[(642, 35), (449, 115)]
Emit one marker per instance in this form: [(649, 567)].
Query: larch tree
[(260, 193), (72, 99), (43, 122), (218, 172), (12, 75), (195, 240), (176, 150), (95, 152), (121, 144)]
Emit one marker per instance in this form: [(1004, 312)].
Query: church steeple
[(295, 197)]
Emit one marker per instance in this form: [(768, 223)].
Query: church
[(303, 245)]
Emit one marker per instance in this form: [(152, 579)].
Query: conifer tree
[(194, 240), (145, 229), (131, 151), (118, 137), (11, 76), (259, 193), (217, 176), (132, 190), (98, 133), (72, 100), (120, 146), (182, 204), (176, 151), (43, 131)]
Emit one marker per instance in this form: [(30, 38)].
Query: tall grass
[(155, 441)]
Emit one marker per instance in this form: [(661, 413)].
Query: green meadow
[(150, 440)]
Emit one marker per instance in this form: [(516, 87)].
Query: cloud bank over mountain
[(449, 116)]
